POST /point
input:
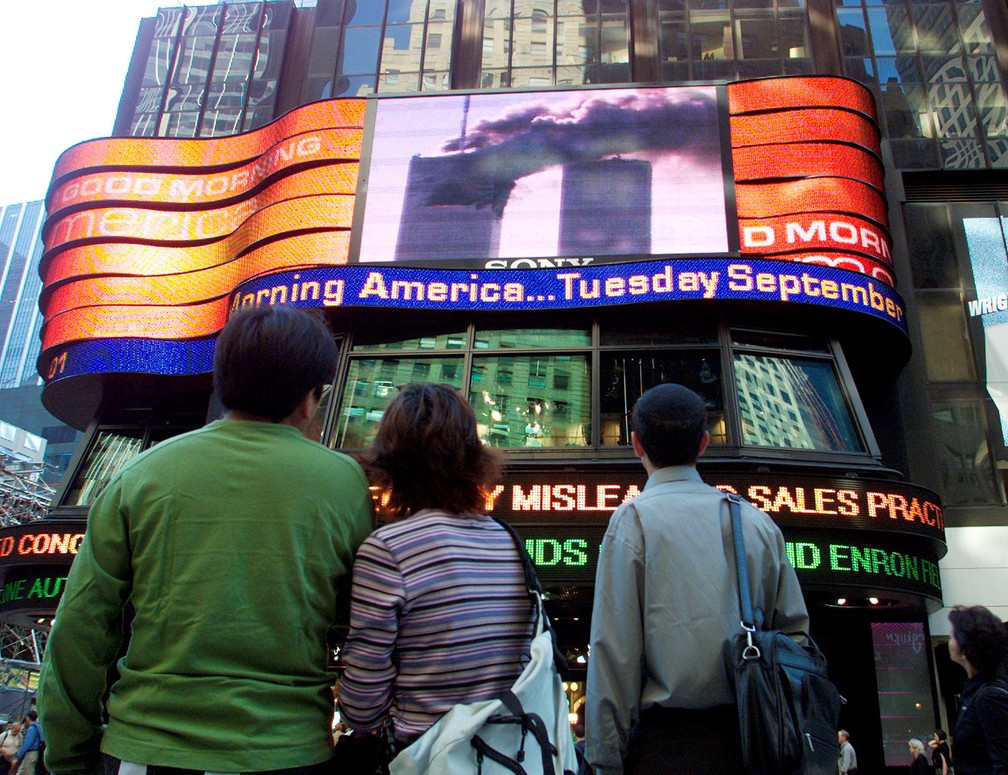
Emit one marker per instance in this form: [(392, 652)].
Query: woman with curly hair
[(979, 642), (440, 612)]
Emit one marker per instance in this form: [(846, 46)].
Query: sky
[(62, 67)]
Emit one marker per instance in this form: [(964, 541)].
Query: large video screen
[(515, 180)]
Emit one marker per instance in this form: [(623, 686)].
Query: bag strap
[(751, 620), (483, 749), (535, 591), (531, 722), (742, 567)]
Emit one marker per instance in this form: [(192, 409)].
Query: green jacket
[(232, 543)]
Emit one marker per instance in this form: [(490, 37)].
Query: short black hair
[(267, 359), (670, 421), (981, 636)]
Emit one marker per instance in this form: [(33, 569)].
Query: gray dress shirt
[(666, 602)]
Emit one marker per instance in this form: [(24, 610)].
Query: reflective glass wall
[(960, 271), (561, 388), (711, 40), (933, 68), (212, 70)]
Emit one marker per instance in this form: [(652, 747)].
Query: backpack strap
[(535, 591), (484, 750), (531, 722)]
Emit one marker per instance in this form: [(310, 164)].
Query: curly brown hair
[(427, 453)]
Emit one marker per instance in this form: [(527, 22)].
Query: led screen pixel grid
[(147, 239), (518, 175)]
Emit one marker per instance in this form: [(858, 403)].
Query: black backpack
[(788, 707)]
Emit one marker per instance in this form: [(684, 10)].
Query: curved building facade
[(792, 208)]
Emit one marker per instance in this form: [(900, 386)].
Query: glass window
[(929, 243), (532, 401), (541, 389), (929, 89), (853, 32), (365, 12), (882, 39), (615, 37), (548, 45), (793, 39), (109, 452), (936, 28), (757, 38), (946, 342), (795, 403), (967, 472), (773, 340), (711, 36), (641, 334), (976, 38), (373, 382), (525, 338), (432, 342), (360, 49), (623, 379)]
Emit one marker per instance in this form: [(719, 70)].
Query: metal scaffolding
[(24, 497)]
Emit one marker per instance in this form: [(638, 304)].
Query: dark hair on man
[(670, 421), (981, 636), (32, 716), (267, 359), (427, 453)]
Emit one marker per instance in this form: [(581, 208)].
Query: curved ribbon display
[(154, 240)]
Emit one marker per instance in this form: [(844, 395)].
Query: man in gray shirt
[(848, 759), (666, 602)]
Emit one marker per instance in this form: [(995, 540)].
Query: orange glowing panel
[(801, 160), (168, 322), (310, 148), (216, 153), (802, 126), (193, 287), (815, 195), (775, 94), (122, 258), (181, 226)]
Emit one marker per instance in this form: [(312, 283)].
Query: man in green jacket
[(230, 545)]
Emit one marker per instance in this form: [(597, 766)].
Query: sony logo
[(536, 263)]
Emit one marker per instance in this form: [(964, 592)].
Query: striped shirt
[(440, 615)]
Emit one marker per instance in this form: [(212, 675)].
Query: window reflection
[(373, 382), (532, 401), (964, 455), (546, 44), (540, 337), (794, 403), (108, 454), (540, 388), (624, 378), (451, 341)]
